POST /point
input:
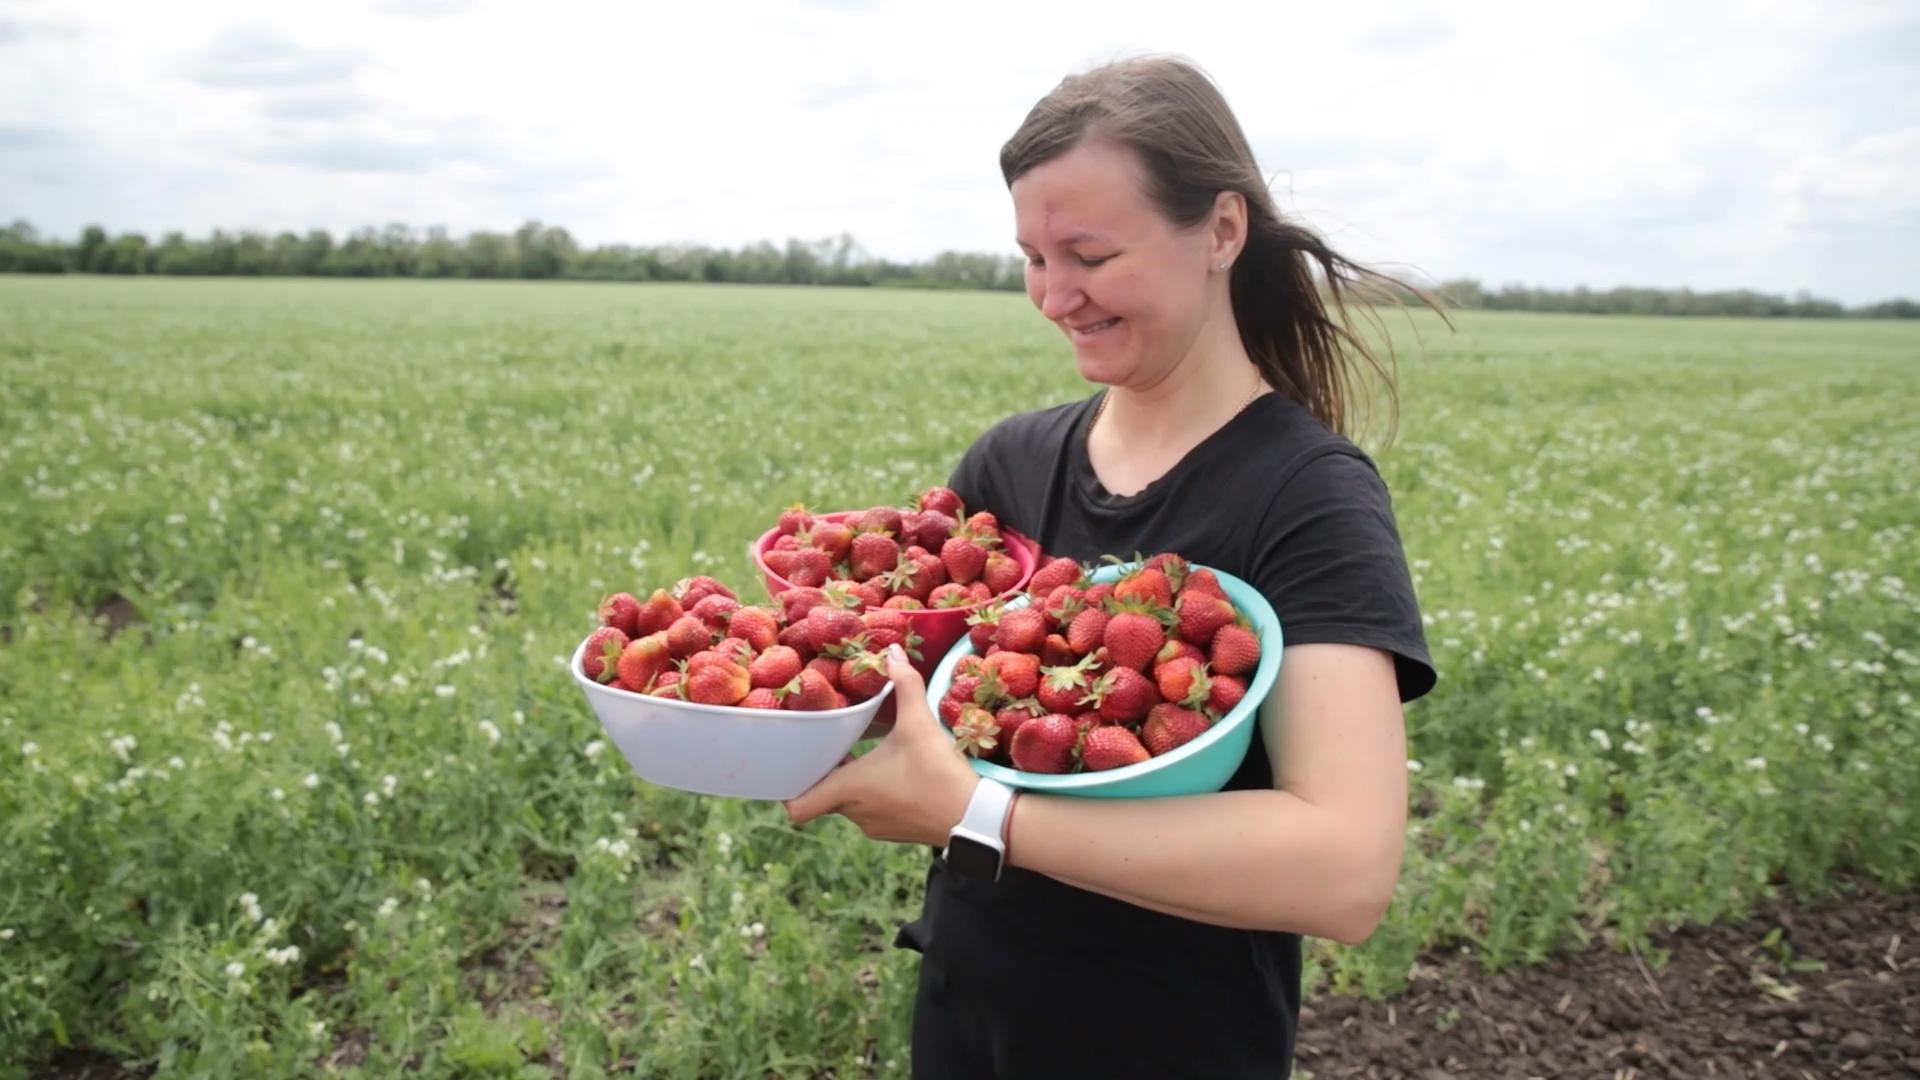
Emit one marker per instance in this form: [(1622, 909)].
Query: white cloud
[(1713, 145)]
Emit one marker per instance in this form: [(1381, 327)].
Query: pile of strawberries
[(1098, 676), (931, 554)]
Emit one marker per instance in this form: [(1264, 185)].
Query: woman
[(1161, 937)]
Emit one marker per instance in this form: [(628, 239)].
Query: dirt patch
[(115, 614), (1823, 992)]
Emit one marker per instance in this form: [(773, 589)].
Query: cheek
[(1036, 286)]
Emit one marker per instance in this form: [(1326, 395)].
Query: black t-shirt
[(1030, 977)]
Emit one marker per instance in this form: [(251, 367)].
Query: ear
[(1229, 227)]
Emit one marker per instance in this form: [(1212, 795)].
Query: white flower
[(619, 849), (387, 784), (1414, 766), (423, 887), (1469, 783), (371, 799), (250, 904), (592, 750), (317, 1028), (333, 731), (123, 745), (492, 732), (388, 907), (29, 748), (277, 795), (235, 969), (1601, 737), (175, 763), (1757, 764), (312, 780), (724, 842), (1572, 770), (443, 690), (283, 957), (6, 934), (699, 961)]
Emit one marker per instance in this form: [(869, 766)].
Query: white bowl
[(723, 749)]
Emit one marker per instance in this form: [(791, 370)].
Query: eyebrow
[(1073, 238)]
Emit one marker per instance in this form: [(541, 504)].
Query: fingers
[(821, 798), (909, 688)]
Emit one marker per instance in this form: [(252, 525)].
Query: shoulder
[(1020, 446)]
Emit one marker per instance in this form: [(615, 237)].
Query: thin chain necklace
[(1101, 409)]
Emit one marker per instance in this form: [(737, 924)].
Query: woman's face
[(1129, 290)]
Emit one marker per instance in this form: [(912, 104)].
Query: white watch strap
[(986, 814)]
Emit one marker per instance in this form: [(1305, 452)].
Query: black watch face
[(973, 858)]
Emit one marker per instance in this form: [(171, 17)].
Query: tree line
[(540, 251)]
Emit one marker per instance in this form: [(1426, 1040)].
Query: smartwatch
[(975, 847)]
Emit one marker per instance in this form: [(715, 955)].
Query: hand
[(912, 788)]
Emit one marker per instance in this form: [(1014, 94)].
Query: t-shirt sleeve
[(1329, 559)]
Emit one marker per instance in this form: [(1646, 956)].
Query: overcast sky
[(1765, 145)]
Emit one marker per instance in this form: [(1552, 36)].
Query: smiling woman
[(1162, 936)]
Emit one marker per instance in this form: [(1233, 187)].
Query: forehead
[(1094, 191)]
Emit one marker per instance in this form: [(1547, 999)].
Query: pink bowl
[(939, 628)]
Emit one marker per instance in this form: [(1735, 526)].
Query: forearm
[(1265, 860)]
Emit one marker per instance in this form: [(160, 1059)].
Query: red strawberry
[(1062, 687), (827, 668), (1145, 584), (915, 577), (720, 682), (1133, 638), (925, 530), (884, 519), (1088, 630), (734, 649), (958, 694), (1176, 649), (1226, 693), (873, 554), (1169, 726), (669, 679), (872, 593), (1045, 744), (1183, 680), (982, 524), (795, 637), (756, 626), (811, 692), (691, 590), (1056, 652), (622, 612), (808, 566), (1054, 573), (774, 668), (664, 689), (952, 594), (976, 732), (761, 697), (601, 658), (1097, 594), (886, 626), (841, 593), (1110, 748), (1002, 573), (1018, 672), (979, 592), (642, 660), (828, 627), (964, 558), (1202, 580), (863, 675), (779, 560), (833, 538), (715, 610), (943, 499), (1010, 720), (982, 625), (1174, 566), (1201, 615), (688, 635), (658, 613), (795, 519), (1022, 630), (1062, 605), (785, 543), (797, 601), (1236, 651), (903, 603), (1124, 695)]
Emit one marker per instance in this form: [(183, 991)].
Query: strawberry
[(1200, 615), (1056, 652), (942, 499), (959, 693), (827, 668), (863, 675), (1062, 687), (808, 566), (963, 557), (1226, 693), (601, 658), (1045, 744), (828, 627), (811, 692), (1088, 630), (794, 519), (952, 594), (761, 697), (903, 603), (874, 553), (688, 635), (1022, 630), (643, 660), (669, 689), (757, 626), (1169, 726), (797, 601), (886, 626), (691, 590), (1054, 573), (1002, 573), (774, 668), (670, 680), (1236, 651), (1145, 584), (872, 593), (913, 577), (1202, 580), (1098, 594), (982, 625), (1062, 605), (785, 543), (622, 612), (734, 649), (982, 524), (719, 682), (979, 592), (1173, 566), (794, 636), (928, 528), (970, 666), (841, 593), (834, 539), (1124, 695), (1132, 638), (1018, 672), (1184, 680), (884, 519), (658, 613), (975, 732), (779, 560), (1010, 719), (1110, 748), (715, 610), (1175, 649)]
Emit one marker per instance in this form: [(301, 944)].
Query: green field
[(326, 802)]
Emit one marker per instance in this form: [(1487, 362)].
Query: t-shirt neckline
[(1096, 493)]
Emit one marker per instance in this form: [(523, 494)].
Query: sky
[(1766, 145)]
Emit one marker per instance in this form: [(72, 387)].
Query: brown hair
[(1171, 114)]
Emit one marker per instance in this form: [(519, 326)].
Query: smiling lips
[(1092, 328)]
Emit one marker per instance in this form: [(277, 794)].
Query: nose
[(1060, 292)]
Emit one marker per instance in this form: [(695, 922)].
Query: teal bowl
[(1201, 766)]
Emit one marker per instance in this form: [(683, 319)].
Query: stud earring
[(1223, 266)]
